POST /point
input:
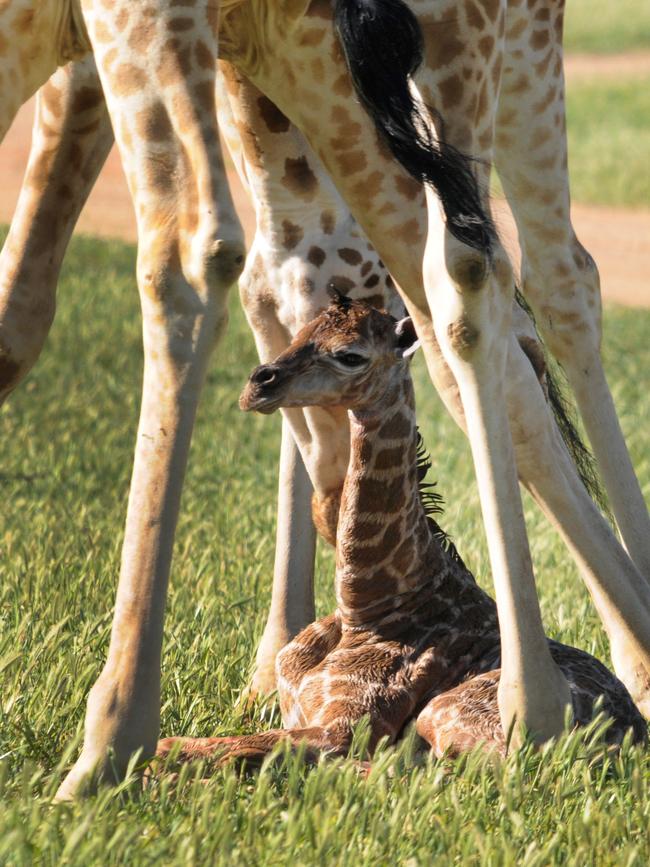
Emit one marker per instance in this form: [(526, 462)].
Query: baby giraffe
[(413, 636)]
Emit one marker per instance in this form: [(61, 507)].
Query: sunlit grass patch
[(609, 141), (608, 130), (606, 26)]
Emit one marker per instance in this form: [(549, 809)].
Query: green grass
[(608, 125), (607, 25), (67, 437), (609, 141)]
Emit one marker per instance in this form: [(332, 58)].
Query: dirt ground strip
[(618, 239), (632, 64)]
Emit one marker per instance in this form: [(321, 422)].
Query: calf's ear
[(336, 296), (406, 340)]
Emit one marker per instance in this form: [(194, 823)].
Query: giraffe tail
[(383, 46), (564, 413)]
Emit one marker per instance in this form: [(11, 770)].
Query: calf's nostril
[(264, 375)]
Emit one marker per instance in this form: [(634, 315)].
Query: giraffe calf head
[(347, 356)]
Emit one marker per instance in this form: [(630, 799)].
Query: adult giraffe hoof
[(264, 682), (84, 779), (262, 687), (80, 781), (640, 692), (95, 769), (632, 670)]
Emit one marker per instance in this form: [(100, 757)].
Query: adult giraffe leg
[(305, 240), (161, 98), (561, 281), (559, 277), (472, 323), (464, 324), (549, 472), (619, 592), (71, 138), (292, 597)]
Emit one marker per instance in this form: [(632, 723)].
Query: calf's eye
[(350, 359)]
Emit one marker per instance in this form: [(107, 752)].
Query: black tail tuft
[(564, 417), (382, 42)]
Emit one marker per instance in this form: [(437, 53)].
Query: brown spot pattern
[(273, 118), (351, 256), (327, 222), (299, 178), (292, 234), (316, 256)]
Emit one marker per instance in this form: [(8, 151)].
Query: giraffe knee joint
[(584, 262), (222, 262), (261, 309), (463, 336), (10, 372), (208, 268), (469, 269), (22, 346), (570, 318)]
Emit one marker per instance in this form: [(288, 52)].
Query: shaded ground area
[(618, 238)]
